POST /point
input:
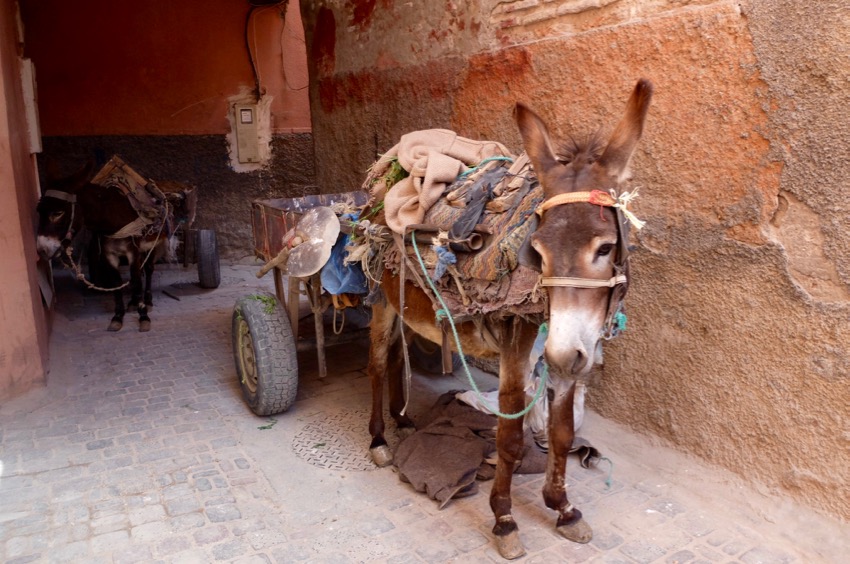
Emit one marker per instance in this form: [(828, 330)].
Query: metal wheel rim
[(246, 357)]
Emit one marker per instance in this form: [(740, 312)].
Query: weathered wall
[(155, 82), (739, 311), (23, 326)]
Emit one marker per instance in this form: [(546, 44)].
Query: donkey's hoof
[(144, 326), (509, 545), (115, 325), (381, 455), (576, 531), (404, 432)]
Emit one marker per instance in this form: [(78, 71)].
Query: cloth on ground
[(444, 456), (434, 158)]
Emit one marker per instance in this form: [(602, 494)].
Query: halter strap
[(71, 199), (59, 195), (583, 282), (595, 197)]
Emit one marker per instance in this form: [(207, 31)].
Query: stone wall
[(739, 310)]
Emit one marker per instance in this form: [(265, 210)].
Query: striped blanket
[(490, 278)]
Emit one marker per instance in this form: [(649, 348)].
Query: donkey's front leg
[(112, 277), (509, 443), (382, 332), (117, 320), (509, 447), (136, 284), (149, 268), (147, 304), (561, 433), (513, 367)]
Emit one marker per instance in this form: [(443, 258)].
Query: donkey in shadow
[(583, 253), (72, 204)]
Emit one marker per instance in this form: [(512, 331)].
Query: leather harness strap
[(59, 195), (583, 282), (71, 199), (597, 198)]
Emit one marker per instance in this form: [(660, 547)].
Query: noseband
[(620, 281)]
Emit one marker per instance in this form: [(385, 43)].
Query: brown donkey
[(583, 263)]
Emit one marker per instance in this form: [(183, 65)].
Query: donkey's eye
[(56, 216), (604, 250)]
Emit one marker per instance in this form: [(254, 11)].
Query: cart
[(265, 327)]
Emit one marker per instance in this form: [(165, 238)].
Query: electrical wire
[(254, 5)]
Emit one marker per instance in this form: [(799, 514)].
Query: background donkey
[(73, 203), (579, 244)]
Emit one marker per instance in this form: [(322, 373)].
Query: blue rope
[(444, 312), (467, 172)]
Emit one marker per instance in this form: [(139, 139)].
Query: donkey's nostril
[(579, 363)]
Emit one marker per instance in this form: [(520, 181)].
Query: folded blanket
[(434, 158)]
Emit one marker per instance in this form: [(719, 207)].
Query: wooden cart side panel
[(271, 219)]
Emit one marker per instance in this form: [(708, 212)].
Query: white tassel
[(623, 201)]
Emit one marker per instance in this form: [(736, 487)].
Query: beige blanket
[(434, 158)]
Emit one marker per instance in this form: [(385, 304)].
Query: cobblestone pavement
[(140, 449)]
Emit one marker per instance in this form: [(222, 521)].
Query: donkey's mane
[(586, 150)]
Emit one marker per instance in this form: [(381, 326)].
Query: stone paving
[(140, 449)]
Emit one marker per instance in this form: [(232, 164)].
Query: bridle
[(71, 199), (619, 283)]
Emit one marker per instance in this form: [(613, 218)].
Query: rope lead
[(445, 312)]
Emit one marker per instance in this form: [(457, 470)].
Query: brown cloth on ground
[(445, 455)]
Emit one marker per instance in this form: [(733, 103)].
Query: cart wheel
[(209, 269), (428, 356), (265, 354)]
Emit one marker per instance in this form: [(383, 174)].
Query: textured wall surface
[(162, 68), (155, 83), (739, 310), (23, 324)]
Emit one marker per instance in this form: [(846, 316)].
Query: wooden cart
[(266, 336)]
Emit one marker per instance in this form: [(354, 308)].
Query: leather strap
[(583, 282), (595, 197)]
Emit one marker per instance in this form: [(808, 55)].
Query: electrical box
[(247, 135)]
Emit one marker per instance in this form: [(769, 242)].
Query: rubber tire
[(428, 356), (265, 354), (209, 268)]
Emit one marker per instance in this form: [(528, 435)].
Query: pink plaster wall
[(23, 327), (162, 68)]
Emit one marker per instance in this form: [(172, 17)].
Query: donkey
[(74, 203), (579, 244)]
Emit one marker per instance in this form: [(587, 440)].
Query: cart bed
[(271, 219)]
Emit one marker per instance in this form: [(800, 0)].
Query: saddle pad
[(490, 279), (145, 197)]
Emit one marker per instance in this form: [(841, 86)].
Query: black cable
[(251, 53), (254, 5)]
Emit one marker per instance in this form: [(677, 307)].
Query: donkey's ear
[(81, 177), (625, 138), (536, 140)]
